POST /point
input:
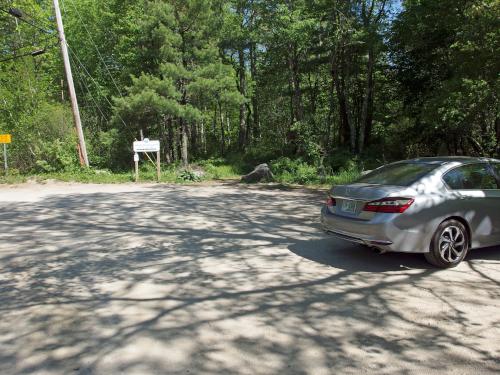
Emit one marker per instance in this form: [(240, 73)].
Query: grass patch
[(289, 171), (220, 169), (286, 171), (343, 177), (90, 176), (12, 179)]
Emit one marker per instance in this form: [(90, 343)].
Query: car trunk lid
[(351, 199)]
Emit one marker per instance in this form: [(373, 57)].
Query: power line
[(81, 83), (101, 58), (84, 69), (48, 26), (22, 13), (94, 44), (19, 15), (89, 75), (34, 53), (81, 80)]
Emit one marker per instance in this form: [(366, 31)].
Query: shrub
[(294, 171), (187, 175), (297, 171), (58, 155)]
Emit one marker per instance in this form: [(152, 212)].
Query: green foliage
[(343, 177), (446, 55), (341, 159), (297, 171), (322, 88), (56, 156), (219, 169), (187, 175), (293, 171)]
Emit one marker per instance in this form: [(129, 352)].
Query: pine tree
[(188, 76)]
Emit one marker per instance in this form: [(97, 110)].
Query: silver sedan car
[(441, 207)]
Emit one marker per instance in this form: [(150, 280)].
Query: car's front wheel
[(449, 245)]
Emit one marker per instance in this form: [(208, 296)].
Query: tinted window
[(496, 169), (400, 174), (474, 176)]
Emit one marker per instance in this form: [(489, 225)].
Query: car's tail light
[(389, 205), (330, 202)]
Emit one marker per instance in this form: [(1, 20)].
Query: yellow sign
[(5, 138)]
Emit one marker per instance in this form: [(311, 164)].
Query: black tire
[(449, 245)]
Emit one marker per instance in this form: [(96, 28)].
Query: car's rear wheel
[(449, 245)]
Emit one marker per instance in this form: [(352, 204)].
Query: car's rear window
[(399, 174)]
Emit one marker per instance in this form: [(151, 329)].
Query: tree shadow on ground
[(224, 280)]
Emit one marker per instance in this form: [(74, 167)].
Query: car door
[(477, 187), (496, 198)]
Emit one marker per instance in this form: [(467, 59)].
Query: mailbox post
[(136, 163)]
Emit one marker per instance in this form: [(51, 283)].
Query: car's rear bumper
[(381, 233), (359, 239)]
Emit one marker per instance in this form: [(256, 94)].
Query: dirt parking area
[(225, 279)]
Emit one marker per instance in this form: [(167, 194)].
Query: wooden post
[(136, 163), (158, 171)]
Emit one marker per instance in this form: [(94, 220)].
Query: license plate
[(349, 206)]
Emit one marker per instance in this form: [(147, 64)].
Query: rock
[(261, 172)]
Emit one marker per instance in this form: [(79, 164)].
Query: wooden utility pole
[(69, 77)]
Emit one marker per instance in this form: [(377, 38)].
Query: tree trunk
[(214, 123), (293, 65), (184, 100), (194, 139), (167, 140), (242, 135), (178, 136), (255, 107), (347, 129), (369, 118), (497, 130), (184, 143), (366, 101), (313, 94), (203, 138), (329, 134), (222, 131), (228, 123)]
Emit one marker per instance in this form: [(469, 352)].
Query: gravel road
[(225, 279)]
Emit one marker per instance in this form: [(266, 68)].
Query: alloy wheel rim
[(452, 243)]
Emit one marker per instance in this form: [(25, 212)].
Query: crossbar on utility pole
[(72, 93)]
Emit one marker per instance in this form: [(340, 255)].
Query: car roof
[(441, 160)]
